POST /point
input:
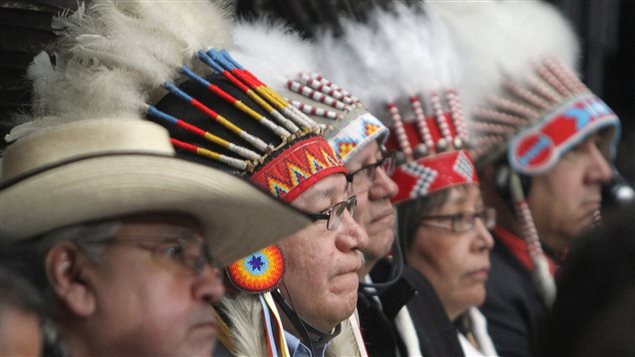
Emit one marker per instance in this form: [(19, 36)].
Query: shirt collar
[(299, 349)]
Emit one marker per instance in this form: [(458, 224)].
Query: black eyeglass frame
[(388, 163), (487, 215), (348, 204)]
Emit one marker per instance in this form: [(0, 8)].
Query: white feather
[(116, 54), (272, 52), (397, 54), (505, 38)]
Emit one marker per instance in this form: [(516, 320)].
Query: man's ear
[(67, 269)]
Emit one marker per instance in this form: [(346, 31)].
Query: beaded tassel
[(311, 110), (325, 88), (544, 91), (420, 117), (233, 162), (402, 138), (256, 142), (441, 122), (499, 117), (240, 150), (281, 132), (566, 77), (544, 280), (298, 87), (527, 95), (550, 78), (492, 128), (321, 78), (288, 124), (457, 114), (513, 107)]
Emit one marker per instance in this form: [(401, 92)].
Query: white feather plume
[(505, 39), (397, 54), (272, 51), (114, 56)]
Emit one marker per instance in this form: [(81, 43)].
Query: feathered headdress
[(526, 100), (165, 61), (402, 63), (288, 64)]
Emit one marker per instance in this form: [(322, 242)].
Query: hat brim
[(237, 217)]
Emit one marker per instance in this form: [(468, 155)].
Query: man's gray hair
[(28, 257), (88, 236)]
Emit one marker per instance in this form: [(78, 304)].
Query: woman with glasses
[(445, 237)]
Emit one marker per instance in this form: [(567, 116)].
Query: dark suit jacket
[(513, 308), (437, 336)]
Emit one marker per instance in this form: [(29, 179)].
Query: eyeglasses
[(333, 214), (361, 179), (186, 255), (462, 221)]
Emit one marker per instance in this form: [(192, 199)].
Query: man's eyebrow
[(327, 193)]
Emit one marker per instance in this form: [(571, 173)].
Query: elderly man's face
[(147, 301), (565, 200), (374, 211), (322, 264)]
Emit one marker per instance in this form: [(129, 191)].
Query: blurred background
[(605, 28)]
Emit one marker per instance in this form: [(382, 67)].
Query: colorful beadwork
[(359, 131), (537, 149), (538, 121), (434, 168), (291, 172), (259, 272)]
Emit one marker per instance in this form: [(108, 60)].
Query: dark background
[(606, 34)]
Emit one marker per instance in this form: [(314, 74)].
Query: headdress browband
[(278, 165), (434, 146), (540, 120)]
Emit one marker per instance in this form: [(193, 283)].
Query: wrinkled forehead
[(322, 194)]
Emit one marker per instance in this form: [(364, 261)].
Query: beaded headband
[(281, 151), (348, 125), (406, 67), (434, 148), (539, 121)]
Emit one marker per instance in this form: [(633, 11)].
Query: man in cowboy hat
[(121, 235), (219, 115)]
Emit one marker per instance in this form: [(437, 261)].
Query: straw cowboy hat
[(103, 168)]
